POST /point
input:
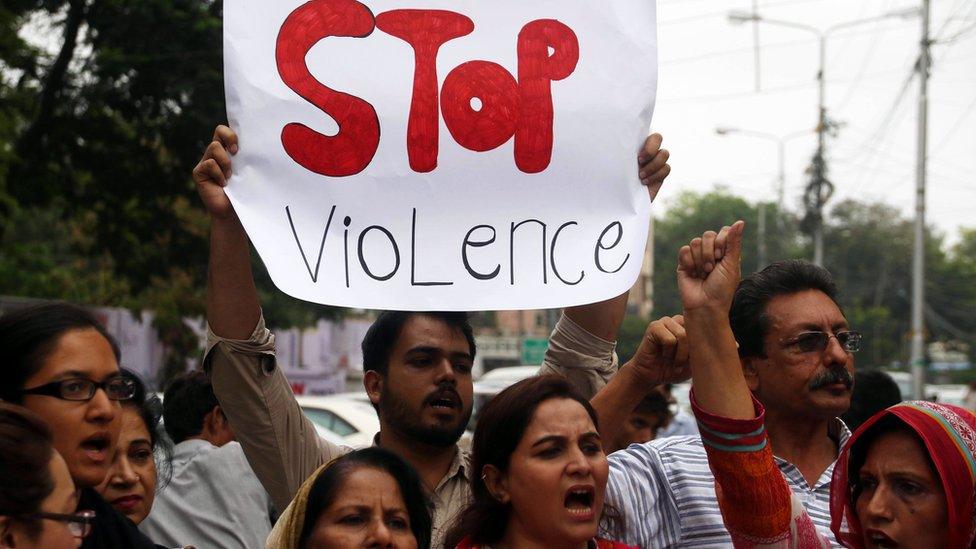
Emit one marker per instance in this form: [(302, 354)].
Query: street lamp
[(780, 141), (819, 190)]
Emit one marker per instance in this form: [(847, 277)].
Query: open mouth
[(96, 446), (579, 502), (879, 539), (444, 401)]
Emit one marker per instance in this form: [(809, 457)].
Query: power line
[(957, 125)]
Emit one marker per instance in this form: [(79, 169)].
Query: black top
[(112, 529)]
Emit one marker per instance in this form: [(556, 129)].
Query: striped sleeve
[(640, 492)]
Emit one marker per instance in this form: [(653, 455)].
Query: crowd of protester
[(588, 454)]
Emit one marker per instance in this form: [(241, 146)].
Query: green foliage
[(690, 214), (98, 138), (868, 249)]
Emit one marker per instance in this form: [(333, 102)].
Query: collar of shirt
[(839, 433), (460, 465), (188, 448)]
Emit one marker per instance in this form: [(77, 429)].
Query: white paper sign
[(442, 154)]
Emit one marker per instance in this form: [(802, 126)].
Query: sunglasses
[(81, 389), (79, 524), (809, 342)]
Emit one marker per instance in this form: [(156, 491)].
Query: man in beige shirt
[(417, 365)]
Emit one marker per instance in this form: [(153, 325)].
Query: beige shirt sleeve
[(280, 443), (585, 359)]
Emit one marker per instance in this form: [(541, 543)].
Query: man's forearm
[(616, 401), (233, 308), (602, 319)]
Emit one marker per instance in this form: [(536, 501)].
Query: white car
[(347, 419), (495, 381)]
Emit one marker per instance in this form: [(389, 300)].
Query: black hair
[(26, 448), (501, 425), (150, 409), (748, 313), (654, 402), (29, 335), (186, 402), (874, 390), (332, 479), (382, 336)]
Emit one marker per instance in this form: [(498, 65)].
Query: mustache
[(445, 391), (832, 376)]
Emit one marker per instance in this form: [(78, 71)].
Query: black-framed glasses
[(79, 388), (79, 524), (808, 342)]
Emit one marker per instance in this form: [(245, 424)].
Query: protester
[(874, 390), (665, 487), (417, 365), (680, 423), (213, 498), (643, 424), (905, 479), (61, 364), (540, 471), (37, 496), (366, 498), (131, 483)]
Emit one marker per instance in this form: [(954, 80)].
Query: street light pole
[(819, 190), (780, 178)]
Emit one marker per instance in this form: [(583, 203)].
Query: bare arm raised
[(280, 443), (708, 274), (582, 345), (233, 308)]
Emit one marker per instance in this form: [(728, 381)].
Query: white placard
[(442, 154)]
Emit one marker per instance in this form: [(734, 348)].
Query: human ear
[(496, 482), (373, 383), (751, 372)]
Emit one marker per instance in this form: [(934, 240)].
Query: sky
[(707, 80)]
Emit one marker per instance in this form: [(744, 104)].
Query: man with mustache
[(796, 350), (417, 366)]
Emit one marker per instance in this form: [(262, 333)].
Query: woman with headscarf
[(367, 498)]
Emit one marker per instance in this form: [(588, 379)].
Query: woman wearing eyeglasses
[(61, 364), (37, 496)]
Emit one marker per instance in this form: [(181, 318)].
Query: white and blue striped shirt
[(665, 494)]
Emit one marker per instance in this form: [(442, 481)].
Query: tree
[(103, 134), (690, 214)]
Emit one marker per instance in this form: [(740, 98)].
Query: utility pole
[(918, 261), (819, 190)]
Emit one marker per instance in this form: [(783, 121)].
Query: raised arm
[(233, 308), (757, 505), (280, 443), (708, 273), (662, 357), (581, 346)]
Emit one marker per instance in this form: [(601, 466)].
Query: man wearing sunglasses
[(797, 352)]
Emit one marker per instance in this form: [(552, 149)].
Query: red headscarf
[(949, 435)]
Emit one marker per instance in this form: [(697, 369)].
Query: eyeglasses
[(79, 388), (808, 342), (79, 524)]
